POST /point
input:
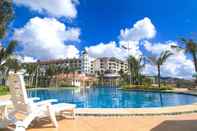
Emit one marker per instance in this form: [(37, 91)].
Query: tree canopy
[(6, 15)]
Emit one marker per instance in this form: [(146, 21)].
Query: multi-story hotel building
[(109, 65), (86, 63), (87, 66)]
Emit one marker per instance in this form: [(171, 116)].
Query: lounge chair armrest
[(34, 99), (44, 102)]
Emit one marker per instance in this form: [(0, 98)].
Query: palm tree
[(66, 70), (190, 47), (5, 54), (135, 68), (31, 70), (13, 64), (58, 71), (50, 72), (159, 61), (6, 14)]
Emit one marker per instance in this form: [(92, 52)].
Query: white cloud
[(44, 39), (133, 48), (157, 48), (129, 38), (177, 65), (142, 29), (56, 8), (112, 49), (105, 50)]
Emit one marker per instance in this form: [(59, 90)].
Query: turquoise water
[(113, 98)]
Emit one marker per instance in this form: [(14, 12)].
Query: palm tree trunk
[(195, 63), (158, 77)]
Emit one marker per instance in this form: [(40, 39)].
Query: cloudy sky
[(53, 29)]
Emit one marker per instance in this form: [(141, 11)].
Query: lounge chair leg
[(74, 115), (52, 116)]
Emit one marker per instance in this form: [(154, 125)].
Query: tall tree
[(6, 15), (13, 64), (135, 68), (159, 61), (190, 47), (6, 52), (31, 72)]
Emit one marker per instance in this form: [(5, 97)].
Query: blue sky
[(101, 20), (96, 25)]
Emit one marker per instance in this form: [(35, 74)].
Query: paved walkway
[(156, 123)]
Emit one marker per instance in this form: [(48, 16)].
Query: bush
[(166, 87), (4, 90), (65, 84), (145, 87), (133, 86), (147, 82)]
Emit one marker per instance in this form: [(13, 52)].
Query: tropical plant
[(13, 64), (31, 70), (135, 68), (5, 55), (159, 61), (66, 70), (49, 73), (6, 52), (190, 47), (6, 14)]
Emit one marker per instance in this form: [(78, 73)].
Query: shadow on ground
[(177, 125)]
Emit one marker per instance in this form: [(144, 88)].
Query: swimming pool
[(113, 98)]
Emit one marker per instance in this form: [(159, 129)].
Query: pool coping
[(159, 111)]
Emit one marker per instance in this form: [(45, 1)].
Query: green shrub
[(4, 90), (133, 86), (166, 87), (147, 82), (145, 87), (64, 84)]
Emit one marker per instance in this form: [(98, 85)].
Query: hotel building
[(108, 67)]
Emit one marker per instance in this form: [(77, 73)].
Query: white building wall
[(85, 63)]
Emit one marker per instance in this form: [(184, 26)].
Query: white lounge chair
[(28, 108)]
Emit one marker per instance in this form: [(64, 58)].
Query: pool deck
[(180, 118), (140, 123)]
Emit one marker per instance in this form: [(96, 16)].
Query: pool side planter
[(162, 91)]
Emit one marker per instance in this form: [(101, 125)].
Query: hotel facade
[(108, 67)]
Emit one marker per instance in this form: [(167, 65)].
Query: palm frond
[(11, 47), (164, 56)]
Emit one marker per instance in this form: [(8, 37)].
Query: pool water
[(113, 98)]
